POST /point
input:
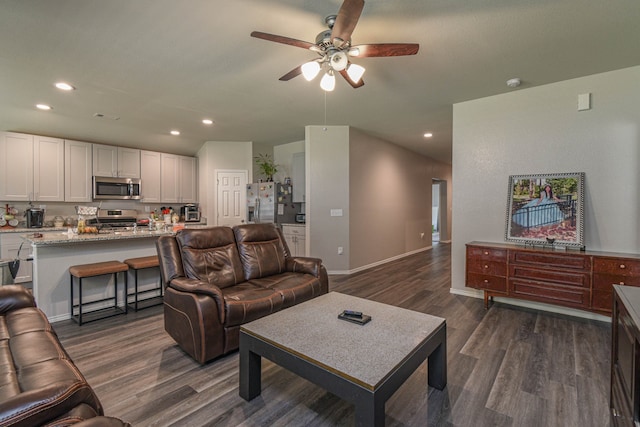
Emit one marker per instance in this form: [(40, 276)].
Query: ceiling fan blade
[(346, 21), (384, 49), (291, 74), (344, 74), (283, 40)]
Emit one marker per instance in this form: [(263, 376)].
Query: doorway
[(439, 231), (231, 197)]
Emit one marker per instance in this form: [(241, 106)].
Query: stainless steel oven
[(107, 188)]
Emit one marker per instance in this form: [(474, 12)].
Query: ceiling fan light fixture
[(328, 82), (354, 51), (339, 61), (355, 72), (310, 70)]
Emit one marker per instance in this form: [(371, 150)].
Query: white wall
[(539, 130), (327, 170), (216, 155)]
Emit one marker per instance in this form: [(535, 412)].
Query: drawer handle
[(486, 253), (486, 281), (623, 266), (622, 283), (486, 266)]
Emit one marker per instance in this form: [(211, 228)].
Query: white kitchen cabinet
[(150, 176), (77, 171), (9, 248), (48, 169), (179, 179), (295, 236), (112, 161), (16, 166), (32, 168), (299, 178)]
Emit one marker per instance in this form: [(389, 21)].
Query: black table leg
[(250, 371), (437, 365), (369, 412)]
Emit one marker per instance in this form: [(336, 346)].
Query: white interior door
[(231, 203)]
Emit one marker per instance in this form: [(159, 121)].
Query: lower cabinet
[(576, 279), (12, 247), (295, 236), (625, 357)]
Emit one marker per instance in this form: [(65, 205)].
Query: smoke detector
[(514, 82)]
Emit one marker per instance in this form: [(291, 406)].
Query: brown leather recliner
[(39, 383), (219, 278)]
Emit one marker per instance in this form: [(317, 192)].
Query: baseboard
[(378, 263), (473, 293)]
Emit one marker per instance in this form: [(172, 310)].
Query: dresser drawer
[(549, 293), (617, 266), (487, 254), (602, 300), (487, 282), (606, 281), (487, 267), (551, 260), (553, 277)]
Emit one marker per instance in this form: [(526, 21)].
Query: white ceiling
[(167, 64)]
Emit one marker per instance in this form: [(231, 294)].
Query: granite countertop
[(20, 229), (63, 238)]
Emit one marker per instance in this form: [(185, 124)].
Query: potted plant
[(267, 166)]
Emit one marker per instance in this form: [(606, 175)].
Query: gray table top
[(365, 354)]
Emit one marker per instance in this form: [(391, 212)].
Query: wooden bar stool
[(136, 264), (91, 270)]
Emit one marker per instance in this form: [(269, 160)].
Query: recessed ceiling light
[(175, 132), (64, 86), (428, 135), (207, 121), (44, 107)]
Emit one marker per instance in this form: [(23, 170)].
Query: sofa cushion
[(261, 250), (210, 255), (38, 381), (294, 287), (246, 302)]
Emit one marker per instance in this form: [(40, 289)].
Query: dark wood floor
[(507, 366)]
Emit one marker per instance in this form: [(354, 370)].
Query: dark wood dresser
[(572, 278), (625, 357)]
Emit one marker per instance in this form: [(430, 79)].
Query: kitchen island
[(55, 252)]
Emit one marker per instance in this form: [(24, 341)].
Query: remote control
[(352, 313)]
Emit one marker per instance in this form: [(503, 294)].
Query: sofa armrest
[(304, 265), (203, 288), (13, 297)]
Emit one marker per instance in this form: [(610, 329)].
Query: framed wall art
[(546, 209)]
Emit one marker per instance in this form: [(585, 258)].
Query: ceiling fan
[(335, 49)]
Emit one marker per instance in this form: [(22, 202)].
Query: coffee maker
[(35, 217)]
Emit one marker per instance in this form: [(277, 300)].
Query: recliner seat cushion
[(294, 287), (246, 302), (211, 255)]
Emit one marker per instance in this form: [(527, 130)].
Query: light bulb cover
[(355, 72), (310, 70), (339, 61), (328, 82)]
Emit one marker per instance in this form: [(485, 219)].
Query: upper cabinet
[(150, 176), (298, 175), (31, 167), (77, 171), (114, 161), (179, 179)]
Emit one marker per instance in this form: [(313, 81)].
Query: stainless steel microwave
[(108, 188)]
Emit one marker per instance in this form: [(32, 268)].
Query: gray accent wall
[(540, 130)]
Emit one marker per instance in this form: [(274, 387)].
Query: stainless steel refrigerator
[(270, 202)]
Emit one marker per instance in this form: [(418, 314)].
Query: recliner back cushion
[(261, 250), (210, 255)]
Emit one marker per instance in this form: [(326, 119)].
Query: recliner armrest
[(199, 287), (13, 297), (304, 265)]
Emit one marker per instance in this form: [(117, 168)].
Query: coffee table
[(363, 364)]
